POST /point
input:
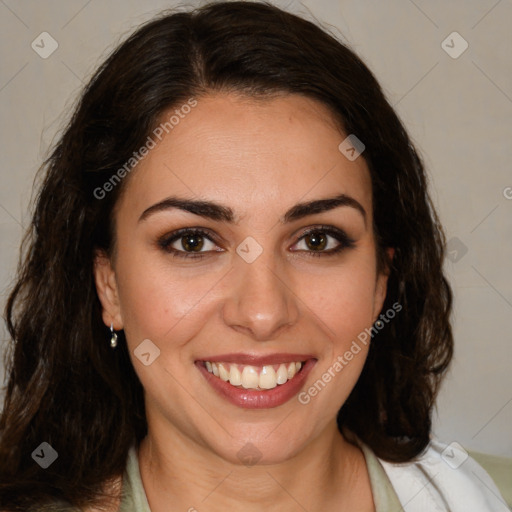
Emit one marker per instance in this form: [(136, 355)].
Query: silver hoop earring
[(113, 338)]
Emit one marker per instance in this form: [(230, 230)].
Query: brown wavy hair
[(65, 385)]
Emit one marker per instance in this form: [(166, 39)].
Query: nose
[(261, 302)]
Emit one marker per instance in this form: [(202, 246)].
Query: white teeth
[(282, 374), (267, 378), (254, 377), (250, 377), (235, 377), (223, 373)]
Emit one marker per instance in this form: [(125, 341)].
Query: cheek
[(343, 299), (161, 300), (156, 298), (344, 303)]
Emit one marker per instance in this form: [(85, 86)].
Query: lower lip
[(256, 399)]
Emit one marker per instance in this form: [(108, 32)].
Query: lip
[(257, 399)]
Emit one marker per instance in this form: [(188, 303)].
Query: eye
[(188, 243), (324, 241), (196, 243)]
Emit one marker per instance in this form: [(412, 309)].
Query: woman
[(232, 295)]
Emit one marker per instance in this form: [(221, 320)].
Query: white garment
[(444, 479)]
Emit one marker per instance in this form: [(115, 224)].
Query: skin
[(259, 158)]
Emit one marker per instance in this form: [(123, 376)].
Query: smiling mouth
[(254, 377)]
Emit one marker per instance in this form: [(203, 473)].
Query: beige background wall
[(458, 111)]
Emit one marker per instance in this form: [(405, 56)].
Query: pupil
[(192, 242), (317, 241)]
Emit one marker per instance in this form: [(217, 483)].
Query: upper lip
[(258, 360)]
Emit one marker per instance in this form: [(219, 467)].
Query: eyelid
[(324, 228)]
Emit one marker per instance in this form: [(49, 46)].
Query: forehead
[(257, 155)]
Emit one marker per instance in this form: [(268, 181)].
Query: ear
[(106, 286), (381, 286)]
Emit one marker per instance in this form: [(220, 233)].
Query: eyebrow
[(219, 212)]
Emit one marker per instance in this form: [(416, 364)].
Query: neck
[(329, 473)]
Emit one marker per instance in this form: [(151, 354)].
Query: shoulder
[(444, 478)]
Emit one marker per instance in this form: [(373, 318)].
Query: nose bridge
[(260, 300)]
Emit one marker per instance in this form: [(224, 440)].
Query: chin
[(262, 443)]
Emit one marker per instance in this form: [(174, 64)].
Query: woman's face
[(252, 292)]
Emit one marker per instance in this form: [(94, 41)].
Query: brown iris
[(192, 242), (316, 241)]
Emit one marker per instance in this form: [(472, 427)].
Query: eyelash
[(345, 241)]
